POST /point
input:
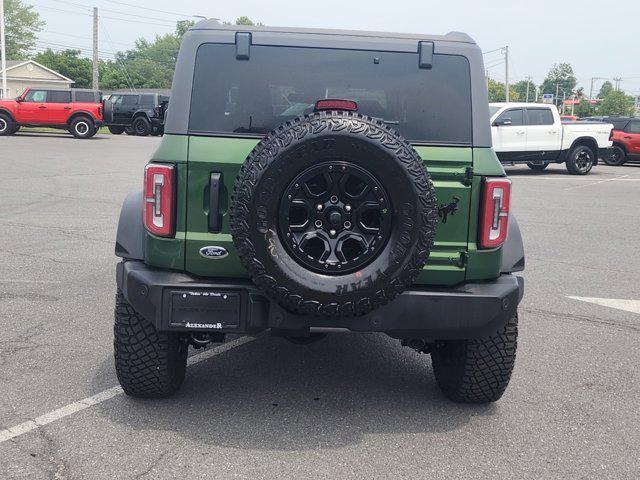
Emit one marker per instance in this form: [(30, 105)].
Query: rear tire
[(149, 364), (7, 125), (618, 157), (538, 166), (476, 370), (82, 127), (142, 126), (581, 160), (115, 129)]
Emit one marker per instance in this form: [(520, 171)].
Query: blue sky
[(600, 39)]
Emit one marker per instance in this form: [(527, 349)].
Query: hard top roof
[(213, 24)]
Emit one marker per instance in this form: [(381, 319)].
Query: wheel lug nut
[(347, 208), (332, 232), (318, 223), (319, 207), (334, 199), (347, 224)]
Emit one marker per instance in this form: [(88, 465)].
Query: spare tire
[(333, 214)]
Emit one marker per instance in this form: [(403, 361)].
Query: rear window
[(57, 96), (279, 83), (147, 99), (539, 116), (85, 97)]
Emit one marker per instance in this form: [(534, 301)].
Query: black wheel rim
[(583, 160), (140, 128), (82, 128), (334, 218), (615, 156)]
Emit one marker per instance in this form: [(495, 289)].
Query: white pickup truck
[(532, 133)]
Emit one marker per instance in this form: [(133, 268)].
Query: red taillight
[(494, 219), (336, 104), (159, 194)]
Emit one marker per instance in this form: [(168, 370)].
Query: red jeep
[(626, 140), (76, 110)]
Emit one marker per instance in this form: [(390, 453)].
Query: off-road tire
[(116, 129), (16, 129), (149, 364), (141, 126), (572, 162), (476, 370), (82, 127), (7, 125), (275, 162), (617, 158), (538, 166)]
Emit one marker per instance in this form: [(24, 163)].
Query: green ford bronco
[(321, 181)]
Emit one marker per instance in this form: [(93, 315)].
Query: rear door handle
[(67, 108), (520, 132), (552, 132), (215, 185), (42, 107), (628, 137)]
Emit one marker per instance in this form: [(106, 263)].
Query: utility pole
[(94, 83), (617, 80), (573, 104), (555, 100), (528, 83), (506, 73), (3, 53)]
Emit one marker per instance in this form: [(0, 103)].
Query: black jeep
[(136, 114)]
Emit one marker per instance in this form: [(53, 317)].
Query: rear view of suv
[(77, 110), (136, 114), (315, 182)]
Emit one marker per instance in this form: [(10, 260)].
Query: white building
[(27, 73)]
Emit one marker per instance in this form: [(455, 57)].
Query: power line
[(119, 12), (152, 9)]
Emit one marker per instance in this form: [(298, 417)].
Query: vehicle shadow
[(61, 134), (273, 395)]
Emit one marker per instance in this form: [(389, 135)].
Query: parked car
[(532, 133), (77, 110), (304, 178), (568, 118), (136, 114), (626, 139)]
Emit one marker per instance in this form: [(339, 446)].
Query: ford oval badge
[(213, 252)]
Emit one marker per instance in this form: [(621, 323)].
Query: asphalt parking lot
[(350, 406)]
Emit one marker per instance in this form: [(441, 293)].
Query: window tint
[(85, 97), (539, 116), (129, 100), (36, 96), (147, 99), (280, 83), (633, 127), (57, 96), (516, 116)]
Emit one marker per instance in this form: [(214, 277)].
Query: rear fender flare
[(7, 112), (130, 236), (513, 249)]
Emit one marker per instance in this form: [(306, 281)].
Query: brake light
[(336, 104), (494, 220), (159, 196)]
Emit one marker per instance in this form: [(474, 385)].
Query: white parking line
[(75, 407), (596, 183), (632, 306)]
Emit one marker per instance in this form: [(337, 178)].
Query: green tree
[(560, 78), (22, 25), (616, 103), (497, 90), (584, 109), (605, 89), (70, 64), (521, 89), (244, 20)]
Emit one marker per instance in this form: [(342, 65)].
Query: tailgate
[(449, 168)]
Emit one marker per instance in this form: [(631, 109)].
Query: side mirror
[(20, 99), (503, 122)]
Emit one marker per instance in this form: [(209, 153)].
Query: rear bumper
[(176, 301)]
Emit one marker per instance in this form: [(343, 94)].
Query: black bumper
[(179, 302)]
